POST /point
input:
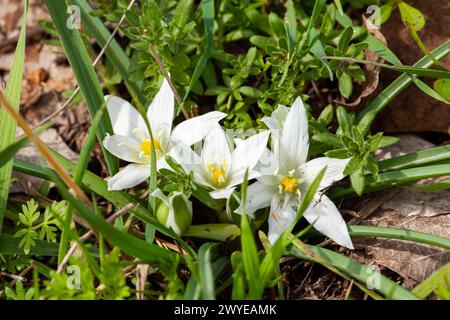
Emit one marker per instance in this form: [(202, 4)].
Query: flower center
[(217, 174), (289, 184), (146, 146)]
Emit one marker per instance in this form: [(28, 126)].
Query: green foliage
[(438, 283), (112, 277), (350, 141), (281, 57), (79, 282), (33, 225), (20, 293), (243, 58)]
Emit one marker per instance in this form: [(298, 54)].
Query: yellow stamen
[(218, 176), (146, 146), (217, 173), (290, 184)]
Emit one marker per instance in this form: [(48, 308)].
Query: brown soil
[(412, 110)]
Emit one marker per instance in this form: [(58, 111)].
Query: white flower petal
[(222, 193), (248, 153), (125, 119), (124, 147), (130, 176), (282, 215), (161, 163), (275, 123), (268, 165), (238, 178), (161, 110), (328, 220), (334, 172), (170, 222), (258, 196), (277, 118), (189, 161), (294, 141), (161, 196), (194, 130), (216, 150)]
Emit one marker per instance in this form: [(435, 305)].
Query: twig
[(90, 233), (20, 277), (158, 60), (94, 64)]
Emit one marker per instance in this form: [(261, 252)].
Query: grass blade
[(206, 254), (113, 52), (439, 74), (367, 115), (436, 280), (134, 246), (415, 159), (7, 122), (84, 72), (394, 178), (402, 234), (355, 270), (208, 18), (10, 151), (78, 174), (97, 185), (10, 245)]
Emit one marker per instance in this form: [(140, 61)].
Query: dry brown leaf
[(410, 209), (30, 154), (408, 259), (141, 279), (371, 71)]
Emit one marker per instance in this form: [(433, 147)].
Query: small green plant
[(34, 225), (20, 293)]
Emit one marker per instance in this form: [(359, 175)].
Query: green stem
[(394, 178), (394, 233), (367, 115)]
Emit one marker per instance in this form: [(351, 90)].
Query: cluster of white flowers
[(282, 173)]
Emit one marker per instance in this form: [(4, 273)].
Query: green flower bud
[(175, 211), (162, 213)]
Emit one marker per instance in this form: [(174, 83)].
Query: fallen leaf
[(371, 71), (407, 209), (30, 154)]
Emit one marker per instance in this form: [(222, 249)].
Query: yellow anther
[(146, 146), (290, 184), (217, 175)]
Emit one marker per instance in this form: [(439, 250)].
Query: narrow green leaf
[(10, 245), (291, 26), (343, 120), (328, 138), (355, 270), (357, 179), (99, 187), (345, 38), (416, 159), (84, 72), (7, 123), (134, 246), (394, 178), (10, 151), (442, 87), (114, 52), (206, 254), (439, 278), (367, 115), (402, 234), (208, 19)]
